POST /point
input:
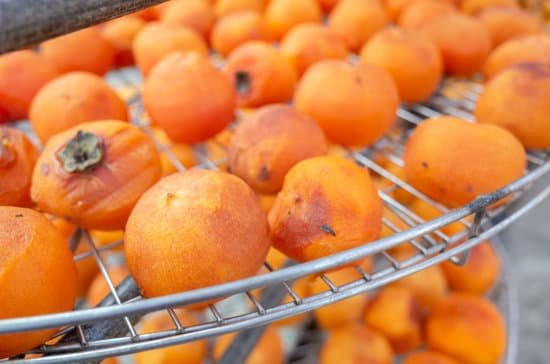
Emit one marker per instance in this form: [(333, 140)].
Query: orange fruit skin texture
[(308, 44), (225, 7), (283, 15), (121, 33), (193, 14), (211, 224), (188, 98), (72, 99), (328, 5), (317, 214), (270, 142), (353, 104), (157, 40), (478, 275), (420, 12), (22, 74), (99, 289), (37, 274), (508, 23), (356, 344), (103, 196), (17, 159), (395, 313), (468, 328), (428, 357), (395, 8), (527, 87), (83, 50), (528, 48), (235, 29), (475, 6), (271, 78), (411, 59), (355, 21), (193, 352), (269, 348), (477, 159), (464, 42)]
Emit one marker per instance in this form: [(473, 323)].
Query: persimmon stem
[(82, 152), (242, 82)]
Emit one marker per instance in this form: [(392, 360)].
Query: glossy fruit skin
[(103, 195), (235, 29)]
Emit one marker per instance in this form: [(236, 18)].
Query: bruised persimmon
[(22, 74), (237, 28), (193, 14), (121, 33), (354, 104), (71, 99), (267, 144), (35, 263), (355, 21), (268, 350), (157, 40), (283, 15), (428, 357), (83, 50), (410, 58), (188, 98), (421, 11), (464, 42), (226, 7), (307, 44), (327, 204), (171, 245), (477, 159), (94, 173), (259, 74), (507, 23), (99, 289), (17, 159), (475, 6)]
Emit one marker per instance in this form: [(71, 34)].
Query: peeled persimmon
[(99, 289), (354, 104), (283, 15), (35, 263), (193, 14), (22, 74), (269, 348), (94, 173), (420, 12), (17, 159), (328, 204), (270, 142), (170, 241), (71, 99), (121, 33), (235, 29), (506, 23), (188, 98)]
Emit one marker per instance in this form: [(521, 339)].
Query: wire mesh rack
[(109, 329)]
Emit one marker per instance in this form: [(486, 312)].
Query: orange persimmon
[(428, 357), (420, 12), (475, 6), (508, 23), (193, 14), (268, 350), (121, 33), (99, 289), (283, 15), (235, 29), (226, 7)]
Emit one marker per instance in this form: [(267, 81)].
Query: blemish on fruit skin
[(18, 215), (264, 174), (242, 82), (425, 165), (469, 188), (170, 197), (327, 229)]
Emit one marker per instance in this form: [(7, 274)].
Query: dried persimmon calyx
[(81, 152)]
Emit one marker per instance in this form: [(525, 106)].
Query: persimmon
[(267, 144), (475, 6), (477, 159), (226, 7), (87, 268), (188, 98), (193, 14), (351, 121), (328, 5), (411, 59), (259, 74), (301, 287), (428, 357), (269, 348), (83, 50), (427, 212), (179, 212), (527, 48), (71, 99), (283, 15), (17, 88), (182, 152), (157, 40), (148, 14), (237, 28), (17, 159), (420, 12), (307, 44), (428, 286), (508, 23), (355, 21), (35, 262), (400, 194), (464, 42), (99, 289), (316, 214), (94, 173), (121, 33)]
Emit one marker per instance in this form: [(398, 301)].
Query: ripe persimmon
[(267, 144), (99, 289), (121, 33), (94, 173), (328, 5), (223, 8), (354, 104), (420, 12), (282, 15), (71, 99), (317, 214), (237, 28), (188, 98), (193, 14), (83, 50), (35, 263), (180, 213), (428, 357), (17, 159), (182, 152), (17, 88), (508, 23), (475, 6), (269, 348)]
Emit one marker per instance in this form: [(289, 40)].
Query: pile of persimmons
[(307, 76)]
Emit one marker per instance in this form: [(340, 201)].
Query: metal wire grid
[(430, 243)]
